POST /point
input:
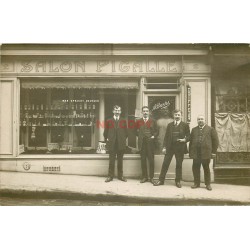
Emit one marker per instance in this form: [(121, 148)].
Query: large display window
[(67, 120), (232, 122)]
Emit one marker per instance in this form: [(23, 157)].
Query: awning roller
[(87, 84)]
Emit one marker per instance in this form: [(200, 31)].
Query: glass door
[(161, 108)]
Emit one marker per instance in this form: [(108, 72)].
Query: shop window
[(233, 99), (232, 119), (64, 120)]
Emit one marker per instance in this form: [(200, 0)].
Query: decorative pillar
[(101, 114)]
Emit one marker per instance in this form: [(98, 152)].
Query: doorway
[(161, 107)]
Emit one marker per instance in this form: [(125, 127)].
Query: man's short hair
[(116, 107), (177, 111), (144, 107)]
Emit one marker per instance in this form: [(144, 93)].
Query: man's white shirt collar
[(177, 122), (202, 126)]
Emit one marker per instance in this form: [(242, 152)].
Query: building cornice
[(103, 50)]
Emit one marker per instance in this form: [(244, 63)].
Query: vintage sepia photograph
[(124, 124)]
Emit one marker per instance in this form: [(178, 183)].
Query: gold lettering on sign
[(81, 65), (51, 67), (172, 67), (137, 65), (100, 65), (113, 66), (124, 68), (195, 66), (66, 66), (26, 67), (158, 67), (41, 65), (148, 67)]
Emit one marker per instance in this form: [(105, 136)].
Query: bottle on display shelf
[(85, 106), (41, 106)]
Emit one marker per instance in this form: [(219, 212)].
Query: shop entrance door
[(161, 108)]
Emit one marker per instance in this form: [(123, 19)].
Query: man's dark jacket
[(151, 123), (113, 133), (209, 143), (184, 133)]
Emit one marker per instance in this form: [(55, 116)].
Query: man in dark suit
[(203, 145), (115, 134), (175, 143), (147, 132)]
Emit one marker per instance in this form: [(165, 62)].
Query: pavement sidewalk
[(95, 188)]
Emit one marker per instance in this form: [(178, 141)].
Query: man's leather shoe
[(122, 179), (195, 186), (109, 179), (143, 180), (158, 183), (208, 187), (178, 184)]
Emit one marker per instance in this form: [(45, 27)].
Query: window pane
[(65, 120)]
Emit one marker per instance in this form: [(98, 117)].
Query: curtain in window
[(233, 132)]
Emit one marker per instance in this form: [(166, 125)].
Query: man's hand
[(213, 155), (152, 137), (164, 150), (181, 140)]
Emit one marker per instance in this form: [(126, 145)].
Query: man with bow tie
[(203, 146), (175, 143), (115, 134), (147, 132)]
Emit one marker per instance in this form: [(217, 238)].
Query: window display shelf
[(58, 116)]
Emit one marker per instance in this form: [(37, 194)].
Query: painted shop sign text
[(51, 168), (95, 67)]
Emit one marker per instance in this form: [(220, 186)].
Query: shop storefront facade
[(231, 108), (55, 100)]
